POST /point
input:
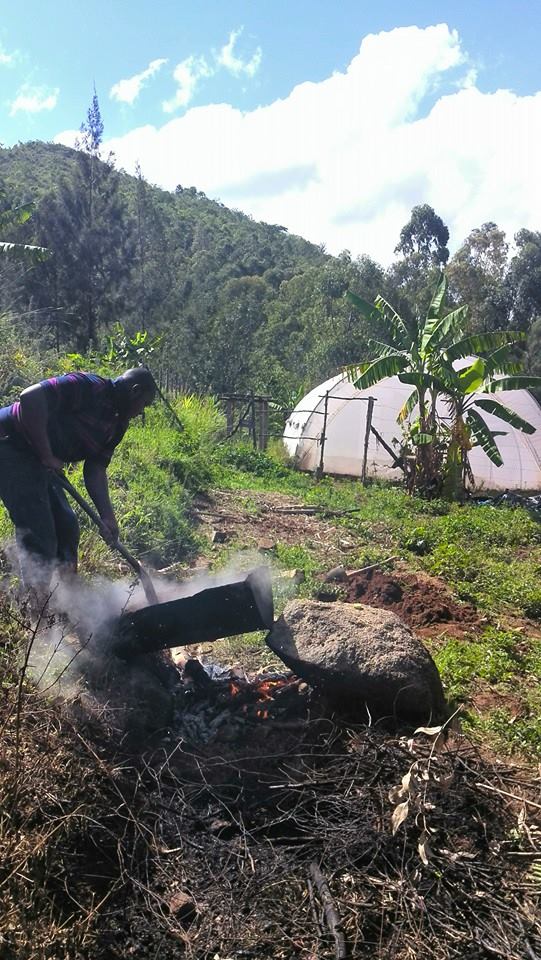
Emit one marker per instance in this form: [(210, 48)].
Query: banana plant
[(15, 216), (426, 354)]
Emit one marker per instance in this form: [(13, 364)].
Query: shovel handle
[(148, 586)]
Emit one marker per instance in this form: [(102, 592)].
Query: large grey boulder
[(363, 658)]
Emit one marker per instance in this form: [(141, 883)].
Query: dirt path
[(258, 521)]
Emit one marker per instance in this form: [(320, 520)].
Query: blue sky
[(323, 117)]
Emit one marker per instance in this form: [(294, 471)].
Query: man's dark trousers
[(47, 530)]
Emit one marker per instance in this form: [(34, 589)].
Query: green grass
[(508, 732), (509, 663), (493, 657)]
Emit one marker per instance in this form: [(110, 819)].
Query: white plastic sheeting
[(347, 410)]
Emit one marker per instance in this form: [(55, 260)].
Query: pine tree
[(91, 234)]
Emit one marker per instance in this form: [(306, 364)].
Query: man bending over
[(77, 416)]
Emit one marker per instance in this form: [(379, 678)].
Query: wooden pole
[(263, 424), (253, 428), (369, 413), (319, 471)]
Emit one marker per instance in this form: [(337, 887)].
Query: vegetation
[(427, 354), (124, 826)]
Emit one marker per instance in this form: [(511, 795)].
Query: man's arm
[(95, 476), (34, 414)]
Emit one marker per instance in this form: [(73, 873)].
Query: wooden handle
[(148, 586)]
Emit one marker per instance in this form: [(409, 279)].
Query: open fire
[(211, 705)]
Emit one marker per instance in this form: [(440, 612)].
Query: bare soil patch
[(253, 517), (424, 603)]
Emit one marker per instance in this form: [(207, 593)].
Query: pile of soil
[(421, 601)]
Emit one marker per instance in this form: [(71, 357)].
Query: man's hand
[(110, 531), (51, 462)]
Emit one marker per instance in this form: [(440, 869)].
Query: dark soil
[(421, 601)]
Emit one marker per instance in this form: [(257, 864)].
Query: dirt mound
[(420, 601)]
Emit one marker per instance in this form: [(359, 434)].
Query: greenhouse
[(340, 430)]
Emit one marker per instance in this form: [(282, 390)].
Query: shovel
[(143, 574)]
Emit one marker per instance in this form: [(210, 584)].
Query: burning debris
[(359, 661), (222, 704)]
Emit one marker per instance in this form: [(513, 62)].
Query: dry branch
[(331, 914)]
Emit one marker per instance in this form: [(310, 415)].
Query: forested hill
[(239, 305)]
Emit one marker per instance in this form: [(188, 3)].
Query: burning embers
[(221, 704)]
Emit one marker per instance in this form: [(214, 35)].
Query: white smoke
[(76, 619)]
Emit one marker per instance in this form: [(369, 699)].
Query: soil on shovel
[(424, 603)]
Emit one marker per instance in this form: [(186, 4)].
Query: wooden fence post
[(319, 471), (369, 413)]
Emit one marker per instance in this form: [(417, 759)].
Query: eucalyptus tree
[(477, 275), (442, 363)]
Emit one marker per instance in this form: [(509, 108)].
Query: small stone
[(337, 574), (266, 544), (182, 907), (220, 536)]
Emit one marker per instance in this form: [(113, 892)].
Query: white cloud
[(343, 161), (187, 75), (193, 69), (8, 59), (226, 57), (127, 91), (34, 100)]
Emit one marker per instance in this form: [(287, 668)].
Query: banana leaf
[(408, 407), (364, 376), (434, 309), (472, 377), (366, 309), (498, 409), (512, 383), (477, 343), (397, 324), (483, 437), (437, 328)]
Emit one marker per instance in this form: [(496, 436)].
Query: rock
[(266, 544), (336, 575), (220, 536), (363, 659), (182, 907)]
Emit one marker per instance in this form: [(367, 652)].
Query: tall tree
[(87, 226), (153, 258), (477, 276), (423, 252), (426, 236), (524, 279)]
